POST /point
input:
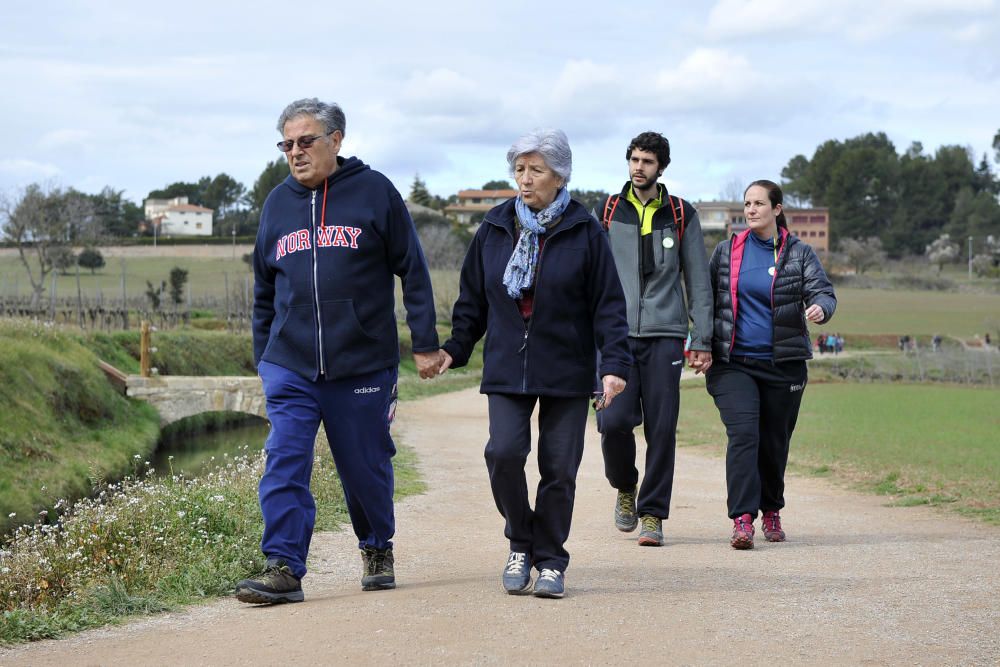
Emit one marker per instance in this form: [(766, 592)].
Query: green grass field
[(924, 313), (921, 444), (866, 312), (206, 277)]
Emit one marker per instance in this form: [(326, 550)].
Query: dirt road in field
[(856, 584)]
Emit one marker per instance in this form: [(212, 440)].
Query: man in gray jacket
[(656, 239)]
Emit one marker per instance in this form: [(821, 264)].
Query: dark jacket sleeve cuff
[(619, 370), (458, 356)]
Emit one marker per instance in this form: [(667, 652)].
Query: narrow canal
[(195, 454)]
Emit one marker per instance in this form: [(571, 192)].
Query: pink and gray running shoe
[(742, 532), (771, 525)]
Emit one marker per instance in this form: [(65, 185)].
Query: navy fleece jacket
[(578, 310), (324, 304)]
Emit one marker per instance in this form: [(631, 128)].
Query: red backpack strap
[(677, 204), (609, 210)]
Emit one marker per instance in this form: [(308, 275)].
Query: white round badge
[(668, 243), (770, 271)]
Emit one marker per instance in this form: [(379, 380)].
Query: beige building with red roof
[(176, 217), (812, 225), (472, 202)]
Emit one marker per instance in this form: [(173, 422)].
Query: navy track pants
[(651, 398), (356, 413)]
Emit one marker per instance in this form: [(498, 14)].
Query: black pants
[(758, 401), (542, 532), (651, 398)]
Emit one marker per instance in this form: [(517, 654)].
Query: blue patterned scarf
[(520, 272)]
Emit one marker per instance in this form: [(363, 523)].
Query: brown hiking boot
[(276, 584), (378, 569)]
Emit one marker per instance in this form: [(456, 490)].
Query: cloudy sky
[(138, 95)]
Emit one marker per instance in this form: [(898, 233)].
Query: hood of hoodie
[(346, 167)]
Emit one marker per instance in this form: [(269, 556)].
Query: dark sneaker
[(651, 534), (378, 573), (771, 525), (275, 585), (517, 574), (550, 584), (626, 517), (742, 532)]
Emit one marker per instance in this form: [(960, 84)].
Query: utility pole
[(144, 351), (970, 258)]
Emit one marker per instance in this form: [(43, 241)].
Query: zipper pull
[(525, 343)]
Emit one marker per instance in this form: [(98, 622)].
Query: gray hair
[(551, 144), (331, 115)]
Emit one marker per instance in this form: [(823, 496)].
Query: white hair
[(551, 144)]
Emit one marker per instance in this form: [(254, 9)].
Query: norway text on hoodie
[(324, 265)]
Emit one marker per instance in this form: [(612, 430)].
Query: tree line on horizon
[(905, 200)]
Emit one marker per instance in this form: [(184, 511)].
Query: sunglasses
[(304, 142)]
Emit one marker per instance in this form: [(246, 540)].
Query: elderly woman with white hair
[(540, 282)]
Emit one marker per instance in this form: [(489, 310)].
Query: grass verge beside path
[(143, 545), (148, 545), (917, 444)]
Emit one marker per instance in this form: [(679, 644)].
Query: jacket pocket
[(668, 247), (293, 341), (341, 326)]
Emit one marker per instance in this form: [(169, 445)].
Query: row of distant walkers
[(833, 343), (907, 344)]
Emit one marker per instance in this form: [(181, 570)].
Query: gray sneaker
[(626, 518), (550, 584), (275, 585), (517, 574), (378, 569), (651, 534)]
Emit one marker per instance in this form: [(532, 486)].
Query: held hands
[(700, 361), (428, 364), (445, 362), (815, 314)]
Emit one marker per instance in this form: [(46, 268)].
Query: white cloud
[(857, 19), (65, 138), (445, 92), (738, 86), (24, 171), (710, 77)]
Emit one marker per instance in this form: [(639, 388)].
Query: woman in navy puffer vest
[(768, 285)]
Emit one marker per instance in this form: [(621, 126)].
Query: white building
[(176, 217)]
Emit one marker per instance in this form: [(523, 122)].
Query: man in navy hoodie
[(332, 237)]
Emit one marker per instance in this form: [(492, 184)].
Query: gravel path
[(856, 584)]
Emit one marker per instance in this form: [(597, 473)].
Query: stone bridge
[(178, 396)]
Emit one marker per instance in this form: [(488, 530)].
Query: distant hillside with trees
[(905, 200)]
